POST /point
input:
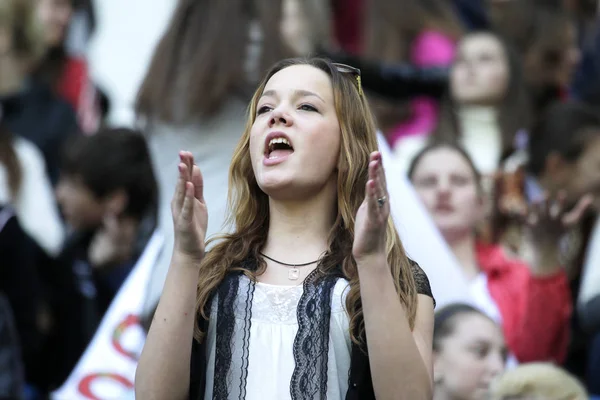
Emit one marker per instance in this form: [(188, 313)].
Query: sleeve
[(421, 280), (538, 328)]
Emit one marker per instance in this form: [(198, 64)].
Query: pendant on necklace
[(293, 274)]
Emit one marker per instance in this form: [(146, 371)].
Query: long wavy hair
[(249, 207)]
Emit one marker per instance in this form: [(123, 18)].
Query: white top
[(274, 325), (35, 205)]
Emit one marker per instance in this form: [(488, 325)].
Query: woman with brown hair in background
[(486, 107), (195, 93), (421, 32)]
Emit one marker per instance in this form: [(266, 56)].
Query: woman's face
[(447, 185), (470, 358), (295, 139), (480, 74), (55, 16)]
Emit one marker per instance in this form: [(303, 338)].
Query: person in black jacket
[(21, 286)]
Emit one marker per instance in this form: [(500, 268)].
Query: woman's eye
[(307, 107), (263, 110), (427, 182)]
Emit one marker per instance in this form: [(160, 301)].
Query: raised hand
[(190, 216), (113, 243), (372, 216), (548, 219)]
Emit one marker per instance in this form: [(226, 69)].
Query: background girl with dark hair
[(487, 105), (468, 353)]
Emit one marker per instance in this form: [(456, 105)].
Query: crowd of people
[(491, 110)]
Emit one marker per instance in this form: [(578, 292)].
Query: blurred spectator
[(468, 353), (24, 184), (11, 370), (421, 32), (546, 38), (29, 108), (537, 381), (195, 93), (564, 154), (67, 74), (487, 105), (108, 194), (531, 301)]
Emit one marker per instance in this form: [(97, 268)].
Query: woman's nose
[(279, 117)]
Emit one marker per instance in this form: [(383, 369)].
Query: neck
[(11, 76), (299, 230), (463, 247)]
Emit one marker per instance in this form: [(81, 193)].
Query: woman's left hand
[(372, 216)]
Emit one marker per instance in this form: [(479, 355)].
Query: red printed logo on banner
[(129, 322), (85, 385)]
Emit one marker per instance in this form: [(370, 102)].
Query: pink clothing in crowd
[(430, 48)]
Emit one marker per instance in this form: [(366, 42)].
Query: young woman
[(486, 107), (531, 301), (282, 306), (468, 353)]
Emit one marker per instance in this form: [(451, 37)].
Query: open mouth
[(278, 147)]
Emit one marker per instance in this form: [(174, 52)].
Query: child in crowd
[(468, 353), (108, 194)]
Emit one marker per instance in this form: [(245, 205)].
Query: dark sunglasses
[(355, 72)]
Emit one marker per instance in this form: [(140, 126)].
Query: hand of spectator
[(113, 243), (190, 216), (546, 222)]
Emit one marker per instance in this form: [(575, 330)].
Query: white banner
[(106, 370), (421, 238)]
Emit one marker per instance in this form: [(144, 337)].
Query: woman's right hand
[(190, 216)]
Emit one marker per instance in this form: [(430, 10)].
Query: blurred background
[(490, 110)]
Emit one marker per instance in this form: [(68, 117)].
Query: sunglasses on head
[(355, 72)]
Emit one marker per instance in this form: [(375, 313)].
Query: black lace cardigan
[(360, 384)]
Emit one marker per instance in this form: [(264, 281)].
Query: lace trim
[(232, 295), (311, 344), (421, 281)]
